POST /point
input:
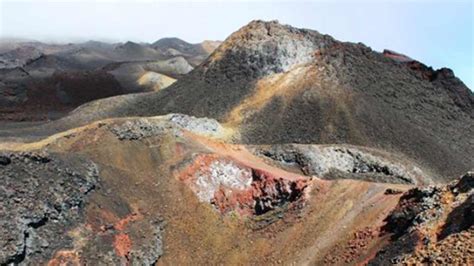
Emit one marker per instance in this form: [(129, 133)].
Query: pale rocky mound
[(155, 81)]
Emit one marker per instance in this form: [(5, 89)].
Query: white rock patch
[(227, 174)]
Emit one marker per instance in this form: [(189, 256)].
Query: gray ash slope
[(315, 90)]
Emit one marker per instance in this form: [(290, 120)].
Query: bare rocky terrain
[(281, 146), (41, 81)]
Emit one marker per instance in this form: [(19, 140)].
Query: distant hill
[(130, 67), (193, 52)]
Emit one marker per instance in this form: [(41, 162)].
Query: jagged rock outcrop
[(345, 162), (432, 225)]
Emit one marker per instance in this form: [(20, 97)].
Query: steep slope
[(277, 84), (187, 197)]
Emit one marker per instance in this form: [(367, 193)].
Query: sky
[(438, 33)]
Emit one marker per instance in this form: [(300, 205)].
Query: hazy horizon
[(439, 33), (83, 40)]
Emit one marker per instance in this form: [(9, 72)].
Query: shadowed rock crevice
[(270, 194), (460, 219), (19, 257)]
